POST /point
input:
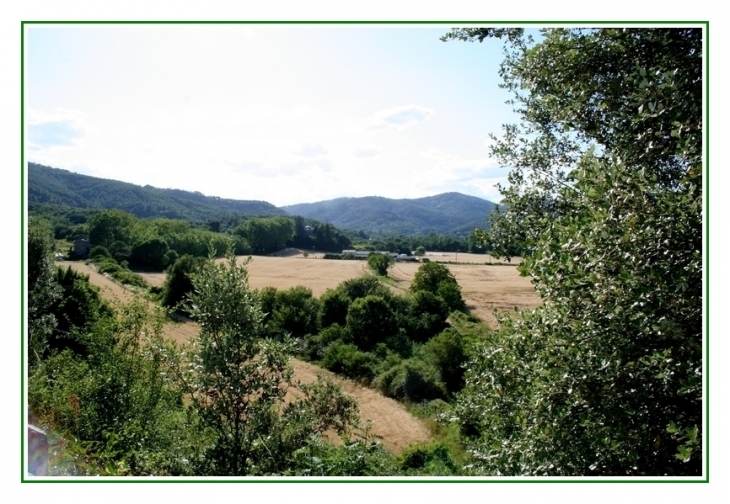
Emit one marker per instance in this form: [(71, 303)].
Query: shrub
[(371, 320), (295, 312), (380, 263), (178, 284), (99, 251), (316, 344), (348, 360), (333, 307), (412, 380)]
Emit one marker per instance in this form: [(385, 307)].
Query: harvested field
[(483, 286), (390, 420)]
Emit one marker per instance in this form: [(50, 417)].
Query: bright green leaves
[(604, 203)]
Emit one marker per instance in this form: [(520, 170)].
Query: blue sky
[(281, 113)]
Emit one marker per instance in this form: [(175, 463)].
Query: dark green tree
[(179, 284), (43, 290), (380, 263)]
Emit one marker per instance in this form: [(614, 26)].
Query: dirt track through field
[(390, 420)]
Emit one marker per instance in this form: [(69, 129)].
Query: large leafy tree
[(237, 381), (605, 202)]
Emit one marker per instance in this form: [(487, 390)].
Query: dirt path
[(389, 418)]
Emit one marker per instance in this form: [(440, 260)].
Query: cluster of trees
[(363, 331), (605, 202)]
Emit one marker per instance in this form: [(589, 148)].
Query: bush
[(432, 459), (412, 380), (427, 316), (99, 251), (380, 263), (317, 344), (348, 360), (178, 284), (333, 306), (448, 353), (295, 312), (371, 320)]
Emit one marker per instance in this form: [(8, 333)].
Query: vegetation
[(380, 263), (604, 378), (63, 188), (605, 202)]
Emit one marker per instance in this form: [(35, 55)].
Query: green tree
[(179, 284), (437, 279), (43, 290), (380, 263), (150, 254), (605, 202), (109, 226), (420, 250), (237, 381), (371, 320)]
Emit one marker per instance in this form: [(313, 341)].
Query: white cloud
[(398, 118), (311, 150), (365, 152)]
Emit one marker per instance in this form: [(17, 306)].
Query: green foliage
[(437, 279), (371, 320), (605, 202), (117, 400), (151, 254), (433, 459), (380, 263), (420, 250), (333, 306), (413, 380), (43, 291), (348, 360), (110, 226), (266, 234), (76, 310), (295, 312), (448, 353), (236, 381), (427, 316), (99, 251), (108, 265), (178, 283), (316, 344)]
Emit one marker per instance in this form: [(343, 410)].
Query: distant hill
[(53, 186), (452, 214)]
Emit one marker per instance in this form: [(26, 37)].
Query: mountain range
[(451, 213), (448, 213)]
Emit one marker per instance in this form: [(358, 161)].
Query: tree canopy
[(605, 203)]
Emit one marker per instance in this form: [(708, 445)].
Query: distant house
[(81, 246)]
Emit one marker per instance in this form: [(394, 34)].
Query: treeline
[(154, 244), (432, 241)]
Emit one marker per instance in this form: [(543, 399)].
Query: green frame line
[(353, 479)]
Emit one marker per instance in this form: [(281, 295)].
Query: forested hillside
[(448, 213), (48, 185)]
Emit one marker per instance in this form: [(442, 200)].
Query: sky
[(281, 113)]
